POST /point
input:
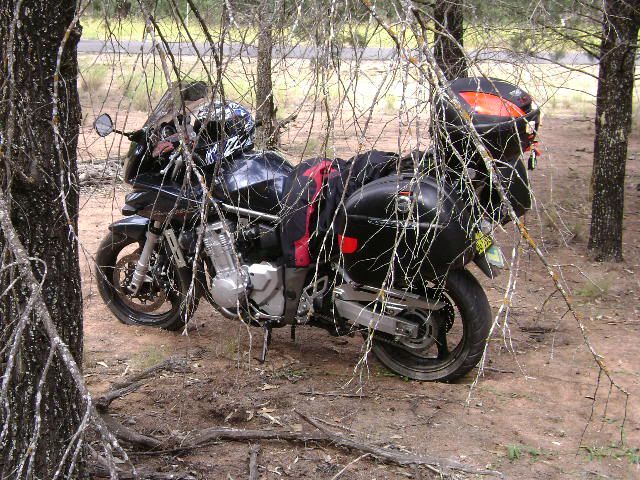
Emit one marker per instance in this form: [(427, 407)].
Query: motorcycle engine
[(262, 281), (267, 287)]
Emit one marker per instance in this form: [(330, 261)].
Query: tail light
[(489, 104)]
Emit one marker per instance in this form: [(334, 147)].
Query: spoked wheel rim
[(157, 297)]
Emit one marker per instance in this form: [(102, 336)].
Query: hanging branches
[(344, 78), (57, 345), (490, 165)]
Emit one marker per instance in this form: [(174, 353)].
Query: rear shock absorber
[(142, 267)]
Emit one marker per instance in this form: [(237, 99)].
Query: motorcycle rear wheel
[(164, 304), (468, 317)]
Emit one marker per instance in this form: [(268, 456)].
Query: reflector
[(347, 244)]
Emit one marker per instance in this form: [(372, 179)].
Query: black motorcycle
[(398, 271)]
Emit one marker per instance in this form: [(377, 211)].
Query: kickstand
[(267, 341), (293, 332)]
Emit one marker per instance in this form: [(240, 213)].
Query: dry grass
[(555, 88)]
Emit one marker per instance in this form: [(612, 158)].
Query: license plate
[(482, 242)]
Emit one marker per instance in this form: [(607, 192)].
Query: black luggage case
[(417, 228), (506, 119)]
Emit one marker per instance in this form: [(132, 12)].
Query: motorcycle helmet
[(224, 130)]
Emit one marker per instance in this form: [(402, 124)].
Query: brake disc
[(150, 301), (448, 315), (448, 312)]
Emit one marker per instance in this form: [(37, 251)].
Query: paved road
[(234, 49), (308, 52)]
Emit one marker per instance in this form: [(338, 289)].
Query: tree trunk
[(42, 409), (613, 123), (449, 26), (266, 134)]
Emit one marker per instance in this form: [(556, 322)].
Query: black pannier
[(421, 225)]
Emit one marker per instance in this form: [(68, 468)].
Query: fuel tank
[(416, 228), (156, 197), (253, 180)]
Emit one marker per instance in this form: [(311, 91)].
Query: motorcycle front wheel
[(451, 340), (163, 300)]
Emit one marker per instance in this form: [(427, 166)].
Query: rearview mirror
[(103, 125)]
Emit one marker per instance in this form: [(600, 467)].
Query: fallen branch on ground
[(103, 402), (253, 462), (102, 471), (134, 382), (99, 468), (216, 433), (389, 455), (175, 364), (313, 393), (394, 456), (498, 370), (130, 436)]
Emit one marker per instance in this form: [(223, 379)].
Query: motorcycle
[(395, 269)]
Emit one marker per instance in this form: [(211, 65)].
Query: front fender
[(134, 227)]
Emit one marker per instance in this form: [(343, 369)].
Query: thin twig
[(253, 462), (344, 469), (393, 456), (313, 393)]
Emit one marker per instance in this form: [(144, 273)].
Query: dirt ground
[(535, 413)]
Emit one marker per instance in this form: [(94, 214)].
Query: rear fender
[(485, 267), (134, 227)]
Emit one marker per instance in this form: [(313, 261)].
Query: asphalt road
[(133, 47)]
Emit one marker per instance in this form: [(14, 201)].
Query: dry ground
[(532, 414)]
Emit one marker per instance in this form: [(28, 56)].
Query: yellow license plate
[(482, 242)]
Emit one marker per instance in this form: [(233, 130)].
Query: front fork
[(142, 267)]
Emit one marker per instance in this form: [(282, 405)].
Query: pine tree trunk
[(613, 123), (36, 179), (265, 114), (448, 41)]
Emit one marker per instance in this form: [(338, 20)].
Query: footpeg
[(266, 342)]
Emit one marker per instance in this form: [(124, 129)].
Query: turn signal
[(488, 104)]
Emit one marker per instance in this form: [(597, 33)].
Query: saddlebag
[(315, 190), (396, 230)]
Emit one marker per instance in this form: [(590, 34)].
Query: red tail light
[(347, 244), (488, 104)]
